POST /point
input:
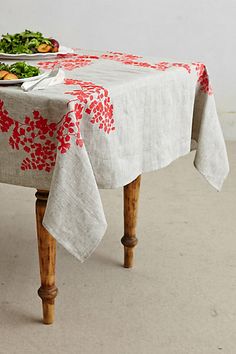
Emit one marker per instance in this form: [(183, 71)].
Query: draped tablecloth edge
[(70, 249), (216, 182)]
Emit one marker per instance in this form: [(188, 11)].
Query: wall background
[(203, 30)]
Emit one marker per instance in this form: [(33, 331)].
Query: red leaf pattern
[(40, 139), (96, 101), (203, 78), (68, 61), (74, 61), (129, 59)]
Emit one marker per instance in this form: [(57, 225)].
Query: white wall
[(203, 30)]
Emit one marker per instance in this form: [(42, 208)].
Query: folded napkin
[(54, 77), (65, 50)]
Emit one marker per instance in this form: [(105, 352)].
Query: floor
[(179, 299)]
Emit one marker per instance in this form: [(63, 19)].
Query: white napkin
[(65, 50), (54, 77)]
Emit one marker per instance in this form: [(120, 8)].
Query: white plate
[(63, 50), (20, 81)]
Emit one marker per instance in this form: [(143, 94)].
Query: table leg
[(47, 260), (129, 240)]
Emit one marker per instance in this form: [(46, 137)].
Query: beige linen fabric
[(115, 117)]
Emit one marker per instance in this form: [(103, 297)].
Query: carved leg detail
[(129, 240), (47, 260)]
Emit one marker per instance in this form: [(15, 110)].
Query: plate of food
[(18, 73), (30, 45)]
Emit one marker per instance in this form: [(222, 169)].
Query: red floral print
[(182, 65), (68, 61), (33, 136), (121, 57), (41, 139), (96, 101), (5, 121), (130, 59), (203, 78), (70, 128)]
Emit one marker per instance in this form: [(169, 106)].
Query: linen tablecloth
[(115, 116)]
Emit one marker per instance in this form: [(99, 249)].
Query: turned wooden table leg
[(47, 260), (129, 240)]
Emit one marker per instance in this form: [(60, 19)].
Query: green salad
[(27, 42), (19, 70)]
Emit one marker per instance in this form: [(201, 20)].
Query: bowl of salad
[(18, 72), (30, 44)]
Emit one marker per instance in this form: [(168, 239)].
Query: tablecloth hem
[(217, 184), (12, 180), (155, 167), (70, 249)]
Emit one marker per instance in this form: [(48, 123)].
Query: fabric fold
[(74, 214)]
